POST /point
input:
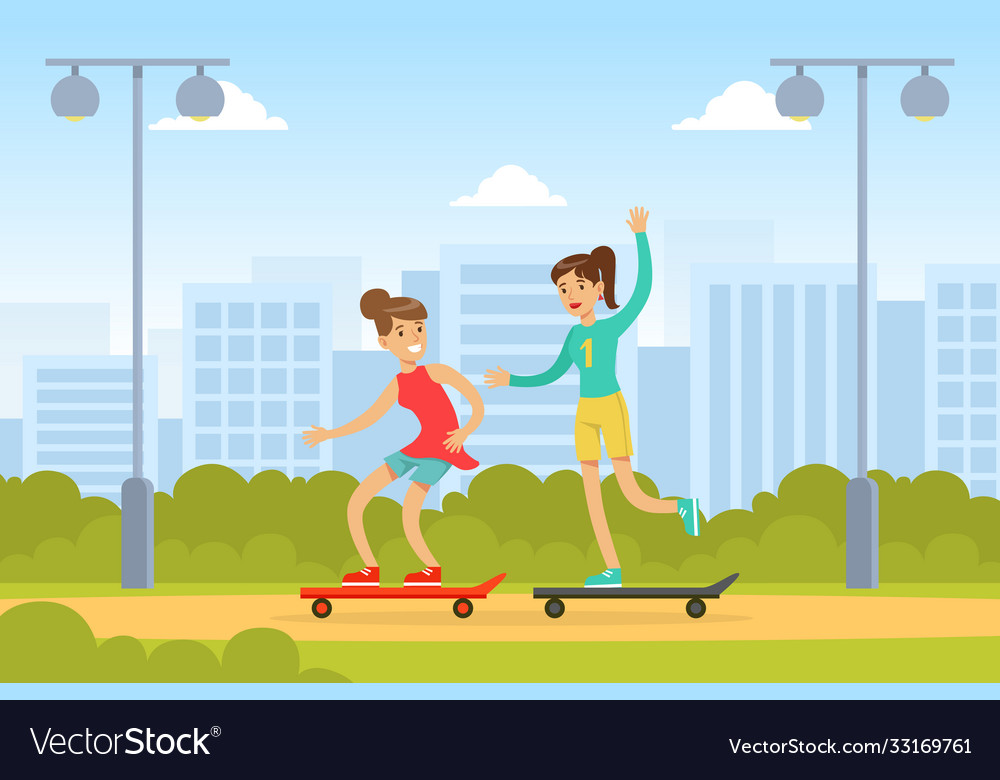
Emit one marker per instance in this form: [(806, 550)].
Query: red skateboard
[(321, 606)]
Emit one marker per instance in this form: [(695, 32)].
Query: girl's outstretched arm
[(446, 375), (374, 413), (547, 377), (644, 279)]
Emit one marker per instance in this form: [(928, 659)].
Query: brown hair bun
[(378, 305), (374, 302)]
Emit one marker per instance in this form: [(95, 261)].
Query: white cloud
[(511, 185), (241, 112), (743, 106)]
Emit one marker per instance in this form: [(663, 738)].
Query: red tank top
[(428, 400)]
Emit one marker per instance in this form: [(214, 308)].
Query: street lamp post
[(76, 97), (923, 97)]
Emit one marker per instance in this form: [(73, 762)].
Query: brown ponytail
[(598, 266), (378, 305)]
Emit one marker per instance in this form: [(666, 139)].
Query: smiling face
[(407, 340), (577, 294)]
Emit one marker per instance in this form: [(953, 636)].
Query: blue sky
[(394, 113)]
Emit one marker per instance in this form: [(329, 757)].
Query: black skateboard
[(695, 607)]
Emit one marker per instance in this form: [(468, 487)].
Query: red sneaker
[(368, 576), (429, 576)]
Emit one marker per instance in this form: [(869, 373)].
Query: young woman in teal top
[(582, 281)]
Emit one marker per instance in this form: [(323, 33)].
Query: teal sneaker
[(687, 508), (609, 578)]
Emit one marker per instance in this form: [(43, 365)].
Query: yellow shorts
[(608, 414)]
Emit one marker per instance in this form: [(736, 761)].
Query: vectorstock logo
[(136, 742)]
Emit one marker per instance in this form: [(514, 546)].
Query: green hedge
[(218, 528), (45, 642)]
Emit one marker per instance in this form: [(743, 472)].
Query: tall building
[(257, 371), (78, 420), (690, 242), (10, 448), (171, 463), (342, 274), (499, 307), (664, 438), (901, 380), (774, 375), (46, 329), (168, 346), (961, 338)]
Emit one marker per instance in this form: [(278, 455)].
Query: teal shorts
[(428, 470)]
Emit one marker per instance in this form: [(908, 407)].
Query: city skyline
[(814, 301), (352, 153)]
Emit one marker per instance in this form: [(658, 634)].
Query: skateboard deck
[(413, 592), (462, 607), (695, 607), (707, 592)]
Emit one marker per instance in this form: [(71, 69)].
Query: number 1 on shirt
[(587, 345)]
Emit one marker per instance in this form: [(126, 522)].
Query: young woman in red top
[(401, 326)]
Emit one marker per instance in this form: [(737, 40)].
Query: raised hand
[(498, 378), (638, 219), (315, 436), (455, 440)]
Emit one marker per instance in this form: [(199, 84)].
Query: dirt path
[(517, 617)]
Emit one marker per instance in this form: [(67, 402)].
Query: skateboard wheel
[(322, 608), (554, 608), (462, 608), (695, 608)]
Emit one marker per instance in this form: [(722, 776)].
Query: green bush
[(560, 562), (55, 560), (799, 549), (46, 642), (701, 568), (98, 553), (17, 568), (465, 547), (120, 659), (183, 660), (45, 505), (952, 558), (219, 528), (740, 554), (517, 559), (215, 562), (904, 561), (260, 655), (269, 557)]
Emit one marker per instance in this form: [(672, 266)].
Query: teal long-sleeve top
[(594, 348)]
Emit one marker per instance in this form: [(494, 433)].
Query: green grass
[(951, 660), (14, 590), (957, 660)]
